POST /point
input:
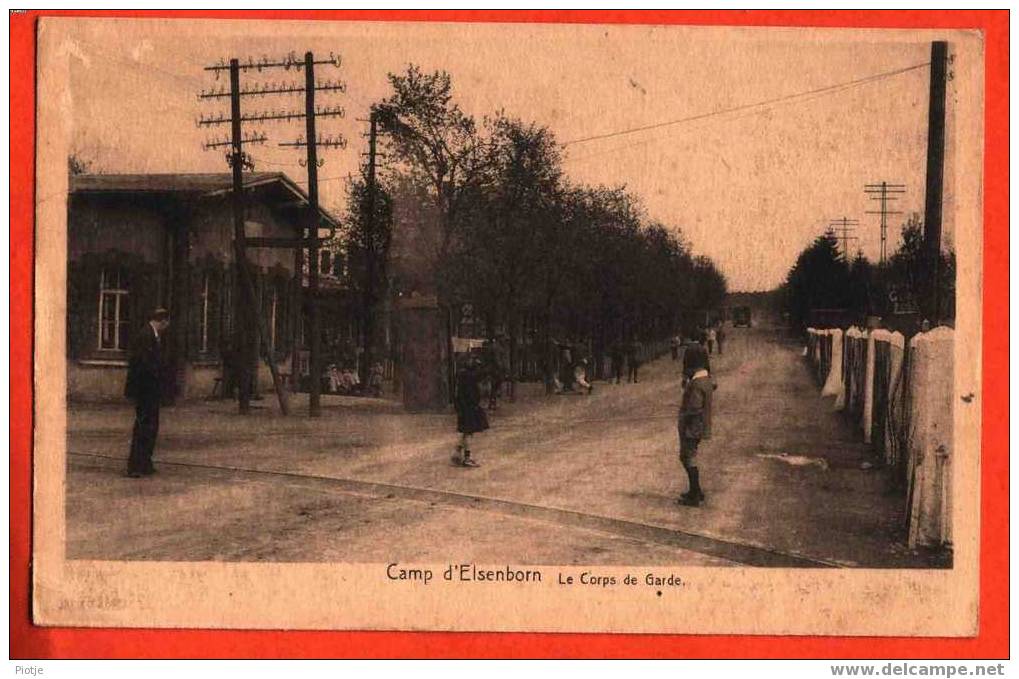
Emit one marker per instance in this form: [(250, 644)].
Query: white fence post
[(833, 385), (930, 443)]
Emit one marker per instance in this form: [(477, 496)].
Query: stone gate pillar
[(423, 353)]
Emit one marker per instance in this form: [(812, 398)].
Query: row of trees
[(824, 279), (482, 216)]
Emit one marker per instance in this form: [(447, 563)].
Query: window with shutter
[(204, 312), (226, 305), (114, 315)]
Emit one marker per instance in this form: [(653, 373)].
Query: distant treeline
[(823, 282)]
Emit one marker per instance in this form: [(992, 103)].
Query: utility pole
[(243, 331), (315, 394), (311, 143), (310, 114), (935, 174), (243, 306), (883, 192), (842, 228)]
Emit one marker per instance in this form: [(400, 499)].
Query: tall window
[(326, 267), (203, 323), (275, 309), (114, 321), (273, 316), (228, 310)]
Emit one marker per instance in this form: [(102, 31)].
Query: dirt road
[(565, 479)]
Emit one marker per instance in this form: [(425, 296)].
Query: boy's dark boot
[(694, 496), (695, 483)]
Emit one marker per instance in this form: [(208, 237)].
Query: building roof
[(199, 184)]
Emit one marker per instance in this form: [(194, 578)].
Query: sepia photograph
[(495, 326)]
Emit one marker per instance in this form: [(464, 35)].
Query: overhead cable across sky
[(743, 107)]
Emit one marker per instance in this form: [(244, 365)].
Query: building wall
[(134, 234), (87, 381), (212, 234), (99, 224), (110, 234)]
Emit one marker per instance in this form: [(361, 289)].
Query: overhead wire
[(757, 104), (746, 112)]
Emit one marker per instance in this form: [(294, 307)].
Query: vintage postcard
[(507, 327)]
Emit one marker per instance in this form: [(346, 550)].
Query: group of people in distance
[(711, 338), (694, 417), (572, 374)]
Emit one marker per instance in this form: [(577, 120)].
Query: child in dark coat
[(470, 416)]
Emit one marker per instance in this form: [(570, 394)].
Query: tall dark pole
[(368, 325), (315, 394), (243, 337), (935, 174), (248, 320), (297, 313)]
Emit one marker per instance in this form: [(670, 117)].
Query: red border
[(28, 641)]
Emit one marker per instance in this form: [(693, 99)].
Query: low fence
[(899, 395)]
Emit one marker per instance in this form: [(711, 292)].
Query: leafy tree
[(369, 234), (819, 280), (864, 287), (436, 141), (909, 272), (495, 260)]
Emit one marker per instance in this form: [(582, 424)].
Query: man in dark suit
[(144, 387)]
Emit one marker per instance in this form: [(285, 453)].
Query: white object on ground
[(796, 460)]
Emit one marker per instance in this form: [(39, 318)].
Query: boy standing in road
[(694, 426)]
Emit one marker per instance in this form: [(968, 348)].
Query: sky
[(749, 189)]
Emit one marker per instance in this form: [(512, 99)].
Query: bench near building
[(136, 242)]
